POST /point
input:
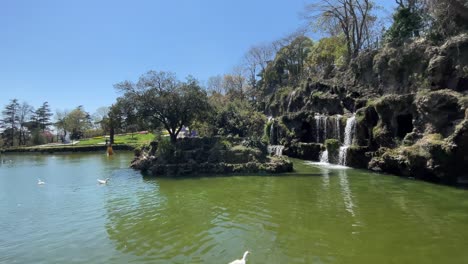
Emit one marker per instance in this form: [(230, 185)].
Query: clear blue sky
[(70, 53)]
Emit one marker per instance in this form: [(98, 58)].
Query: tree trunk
[(111, 134), (173, 137)]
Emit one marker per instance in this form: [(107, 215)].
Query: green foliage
[(137, 139), (166, 150), (9, 122), (332, 144), (238, 118), (255, 143), (327, 53), (161, 100), (77, 121), (38, 137), (406, 24), (266, 132), (289, 64), (42, 116)]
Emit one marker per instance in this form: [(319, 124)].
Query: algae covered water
[(317, 214)]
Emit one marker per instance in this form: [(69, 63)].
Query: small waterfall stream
[(273, 148), (327, 127), (337, 127), (291, 96), (276, 149), (323, 131), (348, 139), (317, 127), (324, 157)]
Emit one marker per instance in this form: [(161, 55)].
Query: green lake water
[(315, 215)]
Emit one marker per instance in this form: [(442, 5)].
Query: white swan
[(241, 261), (103, 181), (39, 182)]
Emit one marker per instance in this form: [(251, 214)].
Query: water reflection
[(346, 192), (346, 216), (199, 220)]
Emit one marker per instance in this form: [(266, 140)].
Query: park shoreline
[(61, 149)]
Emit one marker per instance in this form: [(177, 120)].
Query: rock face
[(411, 108), (307, 151), (192, 156)]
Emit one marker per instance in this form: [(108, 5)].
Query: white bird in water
[(240, 261), (40, 182), (103, 181)]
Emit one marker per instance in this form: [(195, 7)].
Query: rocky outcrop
[(301, 150), (431, 145), (192, 156), (448, 65), (410, 102)]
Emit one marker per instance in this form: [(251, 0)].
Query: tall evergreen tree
[(10, 121), (42, 116)]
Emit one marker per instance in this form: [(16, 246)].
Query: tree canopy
[(162, 100)]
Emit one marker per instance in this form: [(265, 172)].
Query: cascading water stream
[(272, 132), (291, 96), (348, 139), (317, 127), (337, 127), (325, 135), (324, 157), (276, 149)]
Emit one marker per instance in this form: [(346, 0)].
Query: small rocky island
[(203, 156)]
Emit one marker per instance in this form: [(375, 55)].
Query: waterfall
[(291, 95), (276, 149), (321, 123), (272, 132), (317, 127), (342, 155), (337, 127), (346, 192), (349, 130), (325, 128), (348, 139), (324, 157)]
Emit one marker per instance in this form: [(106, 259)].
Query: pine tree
[(42, 116), (10, 121)]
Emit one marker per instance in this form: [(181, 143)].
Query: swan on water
[(40, 182), (240, 261), (103, 181)]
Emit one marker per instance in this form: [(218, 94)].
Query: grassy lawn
[(119, 139)]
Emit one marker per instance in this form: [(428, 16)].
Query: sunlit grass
[(129, 138)]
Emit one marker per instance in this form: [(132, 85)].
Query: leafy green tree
[(10, 121), (289, 65), (238, 118), (327, 53), (77, 121), (122, 117), (161, 100)]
